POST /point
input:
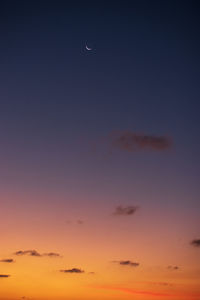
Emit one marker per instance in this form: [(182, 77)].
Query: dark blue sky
[(57, 99)]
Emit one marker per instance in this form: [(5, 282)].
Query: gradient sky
[(99, 150)]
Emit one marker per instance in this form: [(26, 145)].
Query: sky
[(99, 150)]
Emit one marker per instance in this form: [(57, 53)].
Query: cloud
[(51, 254), (4, 276), (36, 253), (125, 211), (195, 243), (27, 252), (73, 270), (8, 260), (80, 222), (161, 283), (132, 291), (173, 267), (131, 141), (127, 263)]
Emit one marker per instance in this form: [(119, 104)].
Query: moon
[(88, 48)]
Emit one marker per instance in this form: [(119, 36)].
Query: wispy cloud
[(80, 222), (51, 254), (150, 293), (36, 253), (125, 210), (27, 252), (161, 283), (132, 291), (73, 270), (173, 268), (127, 263), (195, 243), (7, 260), (4, 276), (131, 141)]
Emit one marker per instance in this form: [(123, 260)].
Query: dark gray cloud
[(27, 252), (195, 243), (131, 141), (36, 253), (127, 263), (51, 254), (173, 267), (125, 210), (7, 260), (4, 276), (73, 270)]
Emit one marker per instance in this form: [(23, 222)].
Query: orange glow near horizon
[(85, 245)]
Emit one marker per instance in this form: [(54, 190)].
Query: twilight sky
[(99, 150)]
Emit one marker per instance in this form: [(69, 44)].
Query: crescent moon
[(87, 48)]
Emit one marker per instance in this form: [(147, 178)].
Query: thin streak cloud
[(8, 260), (131, 141), (36, 253), (127, 263), (73, 270), (133, 291), (173, 268)]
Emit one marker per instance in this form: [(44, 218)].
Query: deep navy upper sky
[(57, 98)]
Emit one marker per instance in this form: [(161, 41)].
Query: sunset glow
[(99, 155)]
